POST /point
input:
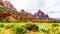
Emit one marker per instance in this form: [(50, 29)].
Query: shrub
[(55, 25), (1, 25), (32, 27), (43, 29), (9, 26), (19, 30)]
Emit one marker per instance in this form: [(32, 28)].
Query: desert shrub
[(55, 25), (43, 29), (31, 27), (1, 25), (19, 30), (9, 26)]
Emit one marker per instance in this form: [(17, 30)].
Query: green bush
[(1, 25), (9, 26), (55, 25), (19, 30), (31, 27)]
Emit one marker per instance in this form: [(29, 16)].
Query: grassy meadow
[(21, 28)]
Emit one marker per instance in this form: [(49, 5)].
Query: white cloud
[(27, 5), (52, 8)]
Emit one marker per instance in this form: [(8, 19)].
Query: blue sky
[(50, 7)]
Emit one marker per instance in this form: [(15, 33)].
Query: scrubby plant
[(19, 29), (1, 25), (9, 26), (32, 27), (55, 25), (43, 29)]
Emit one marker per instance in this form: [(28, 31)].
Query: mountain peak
[(41, 14), (22, 10)]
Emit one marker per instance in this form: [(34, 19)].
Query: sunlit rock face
[(9, 5), (1, 2)]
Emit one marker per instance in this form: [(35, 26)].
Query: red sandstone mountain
[(41, 14), (7, 4), (23, 15), (24, 12)]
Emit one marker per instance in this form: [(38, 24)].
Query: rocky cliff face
[(38, 16), (24, 12), (7, 4), (41, 14)]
